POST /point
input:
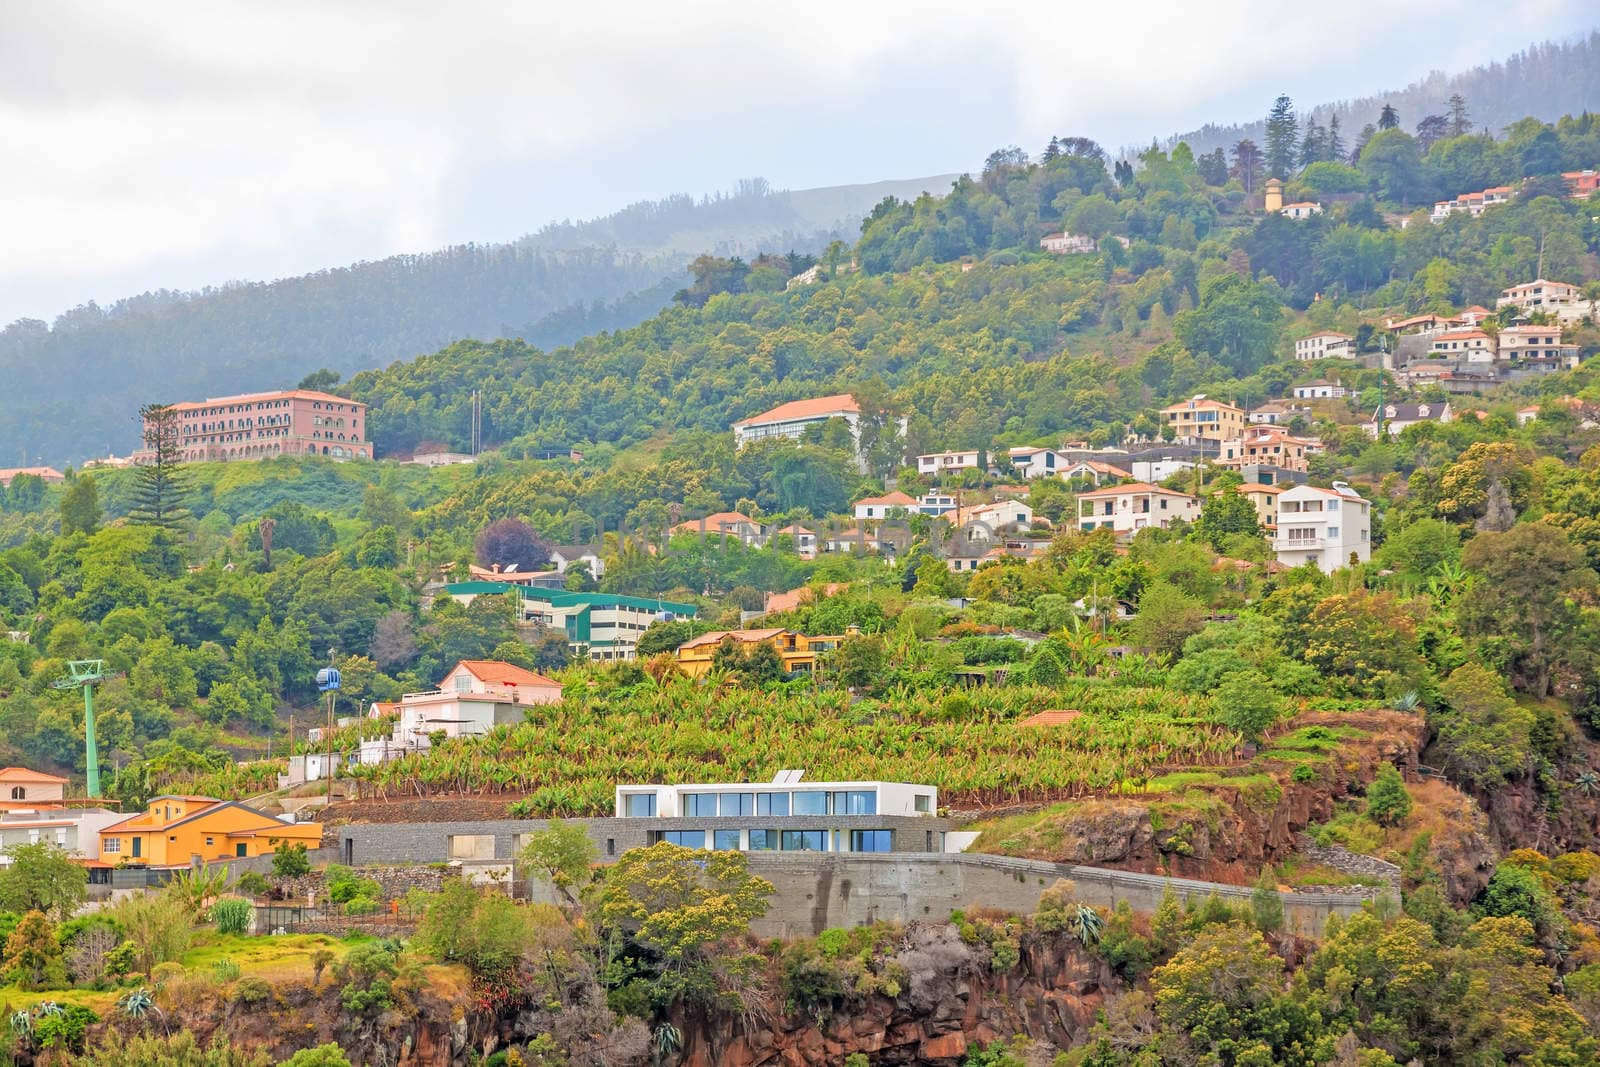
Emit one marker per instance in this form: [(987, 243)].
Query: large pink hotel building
[(293, 422)]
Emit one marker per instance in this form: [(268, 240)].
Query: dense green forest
[(1546, 81), (87, 372)]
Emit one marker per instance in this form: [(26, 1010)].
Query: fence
[(390, 917)]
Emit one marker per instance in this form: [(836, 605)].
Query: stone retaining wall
[(1352, 863)]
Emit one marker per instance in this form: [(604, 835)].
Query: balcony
[(1301, 544)]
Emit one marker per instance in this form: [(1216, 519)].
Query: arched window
[(18, 793)]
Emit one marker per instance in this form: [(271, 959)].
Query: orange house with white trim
[(175, 831)]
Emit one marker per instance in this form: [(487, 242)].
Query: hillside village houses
[(1394, 418), (1034, 462), (1325, 344), (1472, 345), (1325, 527), (48, 475), (881, 507), (1536, 344), (1561, 300), (177, 832), (1270, 446), (732, 524), (34, 808), (1277, 413), (1127, 509), (940, 462), (1095, 472), (1302, 209), (1201, 418), (1067, 244), (1320, 390), (1473, 204), (600, 626)]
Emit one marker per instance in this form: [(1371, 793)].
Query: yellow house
[(176, 830), (798, 652), (1204, 418)]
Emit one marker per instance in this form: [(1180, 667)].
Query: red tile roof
[(274, 394), (715, 637), (895, 499), (817, 407), (714, 523), (23, 774), (1131, 487), (493, 671)]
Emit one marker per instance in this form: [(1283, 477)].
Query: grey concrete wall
[(363, 843), (816, 892)]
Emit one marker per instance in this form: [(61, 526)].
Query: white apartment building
[(1325, 344), (1540, 294), (1127, 509), (939, 462), (1323, 526), (1537, 344), (792, 419)]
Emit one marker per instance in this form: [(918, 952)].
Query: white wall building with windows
[(785, 815), (1324, 527)]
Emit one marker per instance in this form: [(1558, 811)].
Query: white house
[(792, 419), (733, 524), (1159, 470), (939, 462), (1472, 345), (999, 515), (1276, 413), (1126, 509), (1540, 294), (1038, 462), (805, 540), (1066, 244), (879, 507), (1302, 209), (936, 503), (564, 556), (1325, 344), (1323, 526), (76, 830), (1396, 417), (1320, 390), (474, 697), (1092, 470)]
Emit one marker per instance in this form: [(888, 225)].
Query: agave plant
[(21, 1023), (664, 1041), (1408, 702), (1588, 783), (138, 1004), (1086, 925)]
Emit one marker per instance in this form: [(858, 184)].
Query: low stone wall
[(1352, 863), (393, 881), (816, 891)]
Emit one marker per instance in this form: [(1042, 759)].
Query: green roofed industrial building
[(603, 626)]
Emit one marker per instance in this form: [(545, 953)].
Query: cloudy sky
[(177, 145)]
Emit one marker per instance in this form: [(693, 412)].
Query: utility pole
[(328, 680)]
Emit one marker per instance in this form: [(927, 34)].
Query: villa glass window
[(701, 804), (763, 840), (725, 840), (736, 804), (805, 841), (686, 838), (639, 805), (772, 804), (871, 841), (810, 802)]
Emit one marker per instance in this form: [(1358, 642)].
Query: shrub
[(290, 861), (362, 905), (329, 1055), (1388, 801), (252, 884), (252, 991), (232, 915), (1248, 703), (65, 1029), (225, 970), (1575, 866), (344, 885), (1303, 774)]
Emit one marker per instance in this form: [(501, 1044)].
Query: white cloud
[(148, 143)]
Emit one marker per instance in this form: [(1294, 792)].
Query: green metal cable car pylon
[(86, 674)]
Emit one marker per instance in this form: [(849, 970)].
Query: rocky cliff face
[(954, 1000)]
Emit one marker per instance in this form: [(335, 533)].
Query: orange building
[(798, 652), (177, 830)]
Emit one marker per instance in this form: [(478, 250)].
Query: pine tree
[(1388, 118), (1283, 135), (1334, 147), (159, 491), (1368, 132), (1052, 150), (1313, 144), (1247, 164), (1460, 120)]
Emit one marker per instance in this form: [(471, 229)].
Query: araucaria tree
[(158, 495), (1283, 138)]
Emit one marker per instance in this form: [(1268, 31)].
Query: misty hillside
[(83, 377), (1545, 81)]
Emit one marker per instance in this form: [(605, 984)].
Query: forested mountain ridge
[(1545, 81), (83, 376)]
